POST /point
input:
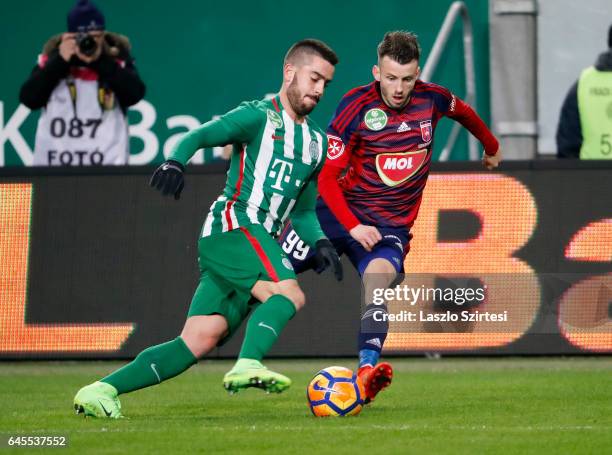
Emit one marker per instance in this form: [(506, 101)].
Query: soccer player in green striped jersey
[(278, 152)]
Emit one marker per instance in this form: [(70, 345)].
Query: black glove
[(168, 178), (326, 256)]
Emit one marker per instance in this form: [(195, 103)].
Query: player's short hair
[(311, 47), (401, 46)]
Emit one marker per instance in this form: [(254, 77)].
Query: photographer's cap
[(84, 17)]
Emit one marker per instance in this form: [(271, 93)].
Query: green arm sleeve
[(304, 217), (237, 126)]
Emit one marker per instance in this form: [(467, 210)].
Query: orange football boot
[(375, 379)]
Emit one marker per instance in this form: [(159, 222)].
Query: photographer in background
[(84, 82), (585, 122)]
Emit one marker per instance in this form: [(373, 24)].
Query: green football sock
[(152, 366), (265, 325)]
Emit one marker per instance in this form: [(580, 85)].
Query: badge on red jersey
[(395, 168), (426, 130), (375, 119), (335, 147)]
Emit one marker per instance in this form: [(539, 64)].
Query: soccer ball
[(335, 391)]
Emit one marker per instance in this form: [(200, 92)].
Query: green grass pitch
[(505, 405)]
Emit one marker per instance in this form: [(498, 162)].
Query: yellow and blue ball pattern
[(335, 391)]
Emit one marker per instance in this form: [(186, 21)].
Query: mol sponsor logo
[(395, 168)]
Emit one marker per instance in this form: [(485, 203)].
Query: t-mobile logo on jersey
[(281, 171)]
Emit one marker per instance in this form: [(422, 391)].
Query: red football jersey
[(388, 153)]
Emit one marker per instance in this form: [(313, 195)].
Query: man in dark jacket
[(84, 82), (585, 123)]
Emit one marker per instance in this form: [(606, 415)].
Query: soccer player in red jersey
[(382, 135)]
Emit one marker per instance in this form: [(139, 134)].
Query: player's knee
[(199, 342), (380, 266), (298, 298), (263, 290), (380, 272), (292, 291), (201, 337)]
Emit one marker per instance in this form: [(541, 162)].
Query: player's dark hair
[(610, 37), (312, 47), (401, 46)]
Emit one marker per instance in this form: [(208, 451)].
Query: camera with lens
[(87, 44)]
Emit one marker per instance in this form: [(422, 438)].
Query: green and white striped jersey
[(274, 159)]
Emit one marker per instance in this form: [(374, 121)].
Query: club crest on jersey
[(313, 148), (275, 119), (335, 147), (287, 264), (426, 130), (395, 168), (375, 119)]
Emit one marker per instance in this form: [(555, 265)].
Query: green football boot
[(98, 400), (251, 373)]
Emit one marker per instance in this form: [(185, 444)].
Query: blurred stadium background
[(82, 277)]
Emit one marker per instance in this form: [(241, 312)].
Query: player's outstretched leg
[(150, 367), (375, 375), (263, 328)]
